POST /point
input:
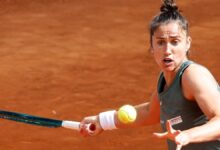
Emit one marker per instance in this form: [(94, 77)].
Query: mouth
[(167, 60)]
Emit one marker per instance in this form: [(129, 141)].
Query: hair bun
[(168, 6)]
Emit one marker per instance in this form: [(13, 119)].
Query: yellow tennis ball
[(127, 114)]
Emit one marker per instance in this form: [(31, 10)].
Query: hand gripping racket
[(40, 121)]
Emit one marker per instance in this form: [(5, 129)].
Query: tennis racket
[(41, 121)]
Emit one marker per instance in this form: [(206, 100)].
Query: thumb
[(160, 135)]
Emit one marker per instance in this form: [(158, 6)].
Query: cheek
[(157, 56), (182, 52)]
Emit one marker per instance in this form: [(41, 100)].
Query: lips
[(167, 60)]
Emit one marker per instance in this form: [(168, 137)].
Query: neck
[(170, 75)]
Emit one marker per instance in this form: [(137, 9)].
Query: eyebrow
[(172, 36)]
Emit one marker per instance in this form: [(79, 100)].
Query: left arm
[(199, 85), (203, 88)]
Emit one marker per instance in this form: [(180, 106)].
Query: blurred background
[(67, 59)]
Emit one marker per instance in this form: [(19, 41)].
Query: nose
[(168, 49)]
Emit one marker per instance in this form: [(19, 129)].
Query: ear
[(188, 42), (151, 49)]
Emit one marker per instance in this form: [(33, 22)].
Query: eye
[(175, 42), (161, 42)]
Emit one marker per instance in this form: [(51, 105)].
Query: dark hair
[(168, 12)]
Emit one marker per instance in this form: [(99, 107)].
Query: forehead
[(169, 29)]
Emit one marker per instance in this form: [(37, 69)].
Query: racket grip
[(74, 125)]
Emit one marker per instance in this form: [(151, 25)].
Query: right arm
[(147, 114)]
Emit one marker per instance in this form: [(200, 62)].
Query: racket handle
[(74, 125), (70, 124)]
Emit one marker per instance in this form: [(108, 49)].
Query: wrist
[(183, 138), (107, 120)]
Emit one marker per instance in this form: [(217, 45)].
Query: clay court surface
[(67, 59)]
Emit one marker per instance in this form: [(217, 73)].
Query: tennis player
[(187, 100)]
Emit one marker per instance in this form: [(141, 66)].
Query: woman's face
[(169, 46)]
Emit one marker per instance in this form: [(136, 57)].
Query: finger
[(84, 130), (161, 135), (178, 147), (169, 127), (83, 133)]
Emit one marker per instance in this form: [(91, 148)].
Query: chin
[(169, 69)]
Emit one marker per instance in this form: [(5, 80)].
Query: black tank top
[(182, 113)]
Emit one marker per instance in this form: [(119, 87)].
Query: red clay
[(69, 59)]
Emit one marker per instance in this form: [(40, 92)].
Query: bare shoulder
[(198, 73), (197, 79)]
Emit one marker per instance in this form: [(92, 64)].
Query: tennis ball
[(127, 114)]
